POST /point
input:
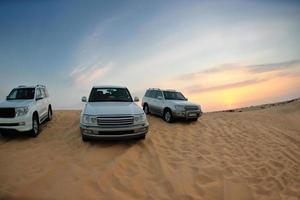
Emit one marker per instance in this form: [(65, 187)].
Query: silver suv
[(111, 113), (170, 104)]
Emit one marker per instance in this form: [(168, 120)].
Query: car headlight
[(140, 118), (20, 111), (89, 119), (180, 108)]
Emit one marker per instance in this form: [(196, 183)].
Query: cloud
[(199, 88), (274, 66), (85, 75)]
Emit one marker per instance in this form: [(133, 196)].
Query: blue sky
[(71, 45)]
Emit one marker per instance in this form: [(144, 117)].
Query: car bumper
[(191, 114), (20, 124), (96, 132)]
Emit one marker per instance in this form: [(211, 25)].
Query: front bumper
[(191, 114), (129, 132), (20, 124)]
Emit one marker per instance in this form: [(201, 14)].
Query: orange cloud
[(232, 85)]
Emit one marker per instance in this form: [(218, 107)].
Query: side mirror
[(160, 97), (6, 97), (38, 98), (186, 99), (136, 99), (83, 99)]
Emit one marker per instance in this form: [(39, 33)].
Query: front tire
[(84, 138), (168, 116), (35, 126), (146, 109), (50, 114)]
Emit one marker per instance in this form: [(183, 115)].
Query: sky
[(219, 54)]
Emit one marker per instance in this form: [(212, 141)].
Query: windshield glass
[(110, 94), (21, 93), (174, 96)]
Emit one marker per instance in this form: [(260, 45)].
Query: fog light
[(22, 123)]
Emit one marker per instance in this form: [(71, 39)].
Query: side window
[(153, 93), (158, 94), (147, 93), (43, 92), (39, 93)]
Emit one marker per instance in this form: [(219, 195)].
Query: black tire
[(168, 117), (50, 114), (146, 109), (84, 138), (35, 126), (194, 119), (143, 137), (4, 134)]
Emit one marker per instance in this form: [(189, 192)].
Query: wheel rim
[(35, 126), (168, 116)]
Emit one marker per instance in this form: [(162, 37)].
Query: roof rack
[(38, 85), (21, 86), (153, 89)]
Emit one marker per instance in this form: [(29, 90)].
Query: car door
[(39, 102), (157, 102), (44, 102)]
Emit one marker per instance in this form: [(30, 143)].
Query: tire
[(50, 114), (146, 109), (35, 126), (168, 116), (84, 138), (143, 137)]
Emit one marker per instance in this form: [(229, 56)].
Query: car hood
[(16, 103), (112, 108), (184, 103)]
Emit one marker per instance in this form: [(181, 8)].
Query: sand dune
[(225, 155)]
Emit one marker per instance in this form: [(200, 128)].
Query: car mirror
[(83, 99), (136, 99), (186, 99), (38, 98)]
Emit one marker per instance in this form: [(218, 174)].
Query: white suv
[(110, 113), (24, 109), (170, 104)]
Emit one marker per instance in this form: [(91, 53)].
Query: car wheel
[(146, 109), (142, 137), (49, 114), (35, 126), (84, 138), (168, 116)]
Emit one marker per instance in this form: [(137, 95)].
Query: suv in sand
[(170, 104), (24, 109), (110, 113)]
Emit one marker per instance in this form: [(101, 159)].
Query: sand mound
[(239, 155)]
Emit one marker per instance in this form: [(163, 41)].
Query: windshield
[(110, 94), (21, 93), (174, 96)]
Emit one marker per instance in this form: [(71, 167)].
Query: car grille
[(115, 120), (7, 112), (115, 132), (188, 108)]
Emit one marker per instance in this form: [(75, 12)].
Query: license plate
[(192, 114)]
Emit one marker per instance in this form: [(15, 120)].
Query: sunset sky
[(221, 54)]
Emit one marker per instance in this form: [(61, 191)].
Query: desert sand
[(253, 154)]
